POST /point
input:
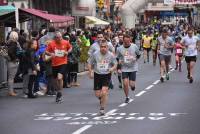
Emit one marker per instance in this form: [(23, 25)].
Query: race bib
[(179, 51), (59, 53), (129, 59), (102, 67)]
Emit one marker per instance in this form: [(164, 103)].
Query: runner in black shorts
[(103, 63), (191, 44), (128, 55), (58, 49)]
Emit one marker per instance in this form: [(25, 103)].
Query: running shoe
[(133, 88), (101, 112), (59, 98), (191, 80), (127, 100), (162, 79), (170, 67)]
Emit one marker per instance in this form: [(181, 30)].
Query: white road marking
[(156, 82), (79, 131), (149, 87), (130, 100), (140, 93), (111, 111), (123, 105)]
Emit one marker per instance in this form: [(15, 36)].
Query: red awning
[(52, 18)]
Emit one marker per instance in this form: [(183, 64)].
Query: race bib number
[(129, 59), (179, 51), (59, 53), (102, 67)]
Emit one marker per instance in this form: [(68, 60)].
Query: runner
[(128, 55), (165, 44), (146, 41), (190, 42), (58, 49), (96, 46), (179, 53), (154, 46), (103, 63), (119, 73)]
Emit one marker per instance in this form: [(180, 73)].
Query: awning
[(55, 20), (28, 14), (6, 9), (95, 21)]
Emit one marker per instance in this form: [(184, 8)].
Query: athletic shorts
[(129, 75), (148, 49), (188, 59), (101, 80), (166, 58), (59, 70)]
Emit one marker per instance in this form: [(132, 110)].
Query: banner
[(187, 2), (182, 2)]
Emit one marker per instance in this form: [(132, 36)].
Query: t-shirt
[(128, 57), (59, 50), (147, 42), (162, 42), (102, 63), (191, 43)]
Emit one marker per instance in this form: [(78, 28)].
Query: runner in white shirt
[(128, 55), (191, 44), (103, 63)]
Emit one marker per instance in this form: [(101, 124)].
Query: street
[(171, 107)]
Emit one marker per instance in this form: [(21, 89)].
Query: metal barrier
[(3, 71)]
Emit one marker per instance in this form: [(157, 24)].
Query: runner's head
[(99, 37), (190, 32), (58, 36), (127, 40), (120, 38), (104, 46), (164, 33)]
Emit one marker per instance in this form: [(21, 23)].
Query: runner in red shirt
[(179, 53), (58, 49)]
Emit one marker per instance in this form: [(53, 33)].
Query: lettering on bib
[(103, 67), (59, 53), (179, 51)]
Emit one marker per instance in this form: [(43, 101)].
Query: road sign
[(100, 4)]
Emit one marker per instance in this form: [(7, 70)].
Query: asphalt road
[(171, 107)]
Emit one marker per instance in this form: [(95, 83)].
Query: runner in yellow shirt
[(146, 42)]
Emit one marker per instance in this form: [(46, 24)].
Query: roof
[(49, 17), (6, 9), (26, 15)]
